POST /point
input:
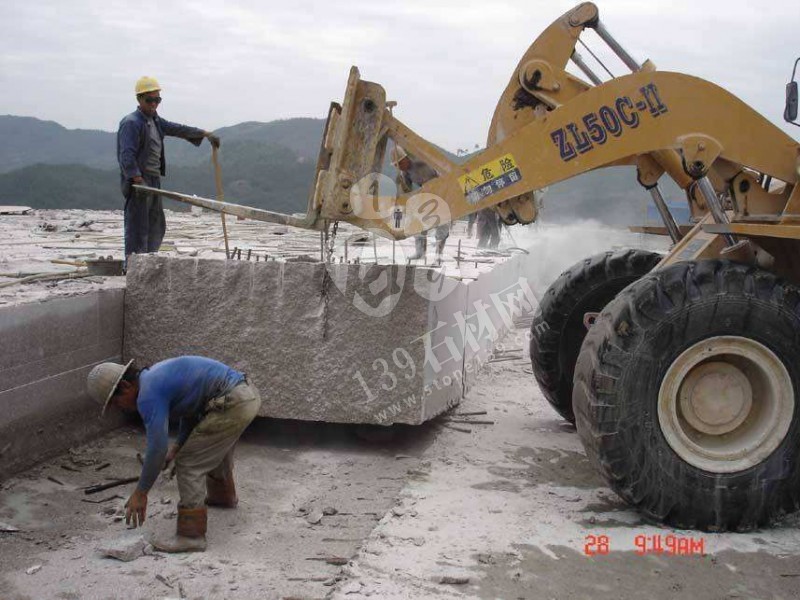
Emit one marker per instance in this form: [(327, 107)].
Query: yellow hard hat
[(147, 84), (398, 154)]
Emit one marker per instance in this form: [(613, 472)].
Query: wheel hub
[(715, 397), (725, 404)]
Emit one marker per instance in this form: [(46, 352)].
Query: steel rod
[(666, 216), (597, 58), (578, 60), (623, 55), (715, 206)]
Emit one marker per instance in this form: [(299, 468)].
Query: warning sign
[(490, 178)]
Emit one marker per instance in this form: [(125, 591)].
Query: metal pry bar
[(246, 212)]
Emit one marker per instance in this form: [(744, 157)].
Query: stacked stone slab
[(341, 343), (47, 350)]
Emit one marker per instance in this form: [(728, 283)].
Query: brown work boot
[(221, 492), (190, 535)]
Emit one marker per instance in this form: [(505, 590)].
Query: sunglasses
[(153, 100)]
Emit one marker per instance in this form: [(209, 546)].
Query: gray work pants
[(145, 223), (209, 448)]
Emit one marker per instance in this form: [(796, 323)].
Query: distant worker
[(411, 175), (471, 223), (140, 152), (488, 228), (214, 403)]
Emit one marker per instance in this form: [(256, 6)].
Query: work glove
[(136, 508), (213, 140)]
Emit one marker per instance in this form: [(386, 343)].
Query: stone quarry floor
[(55, 243), (501, 510)]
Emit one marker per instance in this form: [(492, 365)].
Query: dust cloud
[(557, 247)]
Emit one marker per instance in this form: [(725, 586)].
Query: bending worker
[(140, 152), (411, 175), (214, 403)]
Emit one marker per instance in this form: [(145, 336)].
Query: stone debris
[(453, 580), (329, 511), (33, 569), (398, 511), (126, 548), (315, 516)]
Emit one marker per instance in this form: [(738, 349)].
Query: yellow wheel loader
[(681, 372)]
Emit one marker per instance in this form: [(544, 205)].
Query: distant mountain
[(265, 165), (28, 141), (60, 186), (256, 174), (268, 165), (301, 137), (611, 195)]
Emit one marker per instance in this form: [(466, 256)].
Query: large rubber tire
[(618, 377), (558, 330)]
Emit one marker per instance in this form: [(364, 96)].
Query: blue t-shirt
[(177, 388)]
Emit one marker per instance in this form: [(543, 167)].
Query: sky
[(445, 62)]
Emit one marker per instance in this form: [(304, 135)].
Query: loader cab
[(790, 112)]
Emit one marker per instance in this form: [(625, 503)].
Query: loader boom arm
[(550, 126)]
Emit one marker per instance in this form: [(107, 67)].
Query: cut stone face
[(343, 343), (47, 351)]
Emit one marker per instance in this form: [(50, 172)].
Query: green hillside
[(28, 141), (269, 177), (265, 165)]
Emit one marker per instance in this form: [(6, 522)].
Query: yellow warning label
[(490, 178)]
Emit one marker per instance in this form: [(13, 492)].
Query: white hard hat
[(103, 381)]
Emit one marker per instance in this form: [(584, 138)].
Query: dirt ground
[(501, 510)]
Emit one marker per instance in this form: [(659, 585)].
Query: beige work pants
[(209, 448)]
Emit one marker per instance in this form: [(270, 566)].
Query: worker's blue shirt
[(133, 142), (177, 388)]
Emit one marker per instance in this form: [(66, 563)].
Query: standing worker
[(214, 403), (411, 175), (140, 152), (488, 228)]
